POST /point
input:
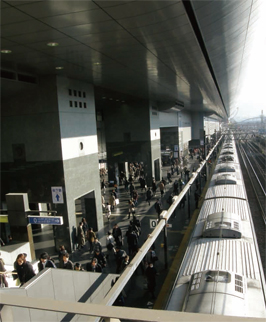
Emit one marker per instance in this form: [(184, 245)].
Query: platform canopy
[(180, 54)]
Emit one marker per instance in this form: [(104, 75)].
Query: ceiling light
[(59, 67), (123, 101), (110, 99), (6, 51), (96, 64), (117, 100), (52, 44), (103, 97)]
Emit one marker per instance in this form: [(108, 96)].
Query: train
[(221, 272)]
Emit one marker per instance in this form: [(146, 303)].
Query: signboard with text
[(57, 195), (46, 220), (153, 223)]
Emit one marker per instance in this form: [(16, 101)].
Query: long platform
[(136, 291)]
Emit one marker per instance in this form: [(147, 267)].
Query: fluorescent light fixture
[(52, 44), (176, 109), (6, 51), (59, 67)]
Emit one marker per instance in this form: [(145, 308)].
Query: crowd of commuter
[(119, 249)]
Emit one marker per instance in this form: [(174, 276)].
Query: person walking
[(97, 246), (169, 176), (94, 266), (196, 197), (103, 186), (81, 237), (67, 263), (148, 196), (110, 243), (151, 279), (126, 183), (45, 261), (176, 189), (158, 207), (161, 187), (183, 202), (24, 269), (131, 208), (122, 259), (154, 186), (112, 201), (91, 237), (108, 211), (3, 280), (100, 258), (131, 189), (117, 233), (78, 267), (85, 226)]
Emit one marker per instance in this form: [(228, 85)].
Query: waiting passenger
[(45, 261), (94, 266), (24, 269), (67, 264)]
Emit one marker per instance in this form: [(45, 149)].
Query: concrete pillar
[(50, 139), (79, 146), (131, 136), (197, 126)]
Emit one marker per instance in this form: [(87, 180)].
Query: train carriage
[(220, 272)]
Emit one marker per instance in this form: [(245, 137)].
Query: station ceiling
[(190, 54)]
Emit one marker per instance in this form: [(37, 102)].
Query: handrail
[(98, 310)]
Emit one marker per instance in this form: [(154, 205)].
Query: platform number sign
[(153, 223), (57, 194)]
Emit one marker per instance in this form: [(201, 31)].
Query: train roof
[(235, 255), (226, 191), (232, 205)]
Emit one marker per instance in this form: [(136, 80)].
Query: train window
[(220, 277), (223, 224), (196, 281), (238, 283), (225, 179)]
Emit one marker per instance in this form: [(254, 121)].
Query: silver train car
[(221, 270)]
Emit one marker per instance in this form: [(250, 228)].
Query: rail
[(254, 235), (242, 152)]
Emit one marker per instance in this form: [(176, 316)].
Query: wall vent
[(25, 78), (7, 74)]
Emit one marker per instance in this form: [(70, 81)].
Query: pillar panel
[(129, 136), (197, 127)]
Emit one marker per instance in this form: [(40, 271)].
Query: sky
[(252, 98)]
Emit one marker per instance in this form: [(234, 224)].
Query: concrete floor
[(136, 292)]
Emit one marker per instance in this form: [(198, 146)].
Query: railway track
[(258, 160), (256, 174), (256, 195)]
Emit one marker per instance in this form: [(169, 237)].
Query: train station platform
[(136, 292)]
